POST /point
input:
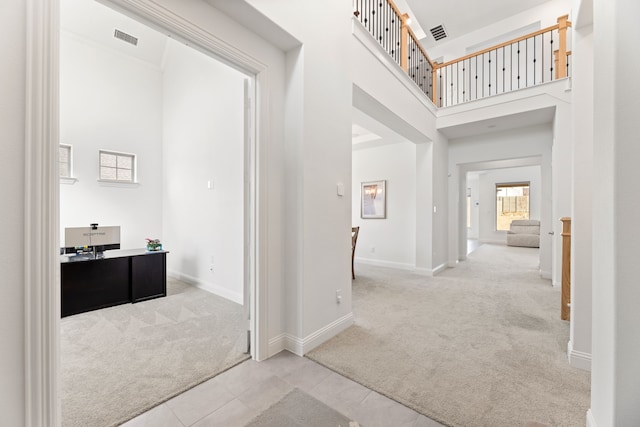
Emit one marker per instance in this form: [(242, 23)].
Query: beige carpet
[(478, 345), (120, 361)]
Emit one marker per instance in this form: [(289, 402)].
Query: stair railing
[(526, 61), (523, 62)]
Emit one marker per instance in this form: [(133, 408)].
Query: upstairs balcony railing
[(527, 61)]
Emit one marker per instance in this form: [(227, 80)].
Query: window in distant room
[(119, 167), (512, 202), (64, 160)]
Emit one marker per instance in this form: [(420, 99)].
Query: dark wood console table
[(115, 277)]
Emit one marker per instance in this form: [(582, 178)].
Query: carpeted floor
[(478, 345), (120, 361)]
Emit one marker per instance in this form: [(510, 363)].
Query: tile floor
[(236, 396)]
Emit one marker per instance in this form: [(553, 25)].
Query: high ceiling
[(463, 16), (95, 22)]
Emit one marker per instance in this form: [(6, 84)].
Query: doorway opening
[(186, 119)]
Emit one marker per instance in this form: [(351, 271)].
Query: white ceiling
[(95, 22), (500, 124), (366, 132), (463, 16)]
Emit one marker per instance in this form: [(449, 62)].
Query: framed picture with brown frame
[(373, 200)]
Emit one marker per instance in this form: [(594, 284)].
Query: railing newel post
[(404, 42), (391, 29), (563, 24)]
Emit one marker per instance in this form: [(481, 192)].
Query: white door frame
[(42, 193)]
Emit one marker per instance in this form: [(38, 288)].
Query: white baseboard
[(578, 359), (382, 263), (439, 269), (402, 266), (206, 286), (546, 274), (591, 421), (302, 346), (556, 284), (432, 272), (493, 241), (285, 342), (313, 340)]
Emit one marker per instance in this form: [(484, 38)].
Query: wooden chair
[(354, 239)]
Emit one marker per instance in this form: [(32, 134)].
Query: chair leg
[(353, 272)]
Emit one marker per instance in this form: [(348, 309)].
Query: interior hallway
[(480, 344)]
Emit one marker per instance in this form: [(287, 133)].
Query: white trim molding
[(42, 191), (578, 359), (276, 345), (286, 342), (182, 29), (439, 269), (402, 266), (591, 421), (42, 188), (301, 346), (383, 263), (322, 335)]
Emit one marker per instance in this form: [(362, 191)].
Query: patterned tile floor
[(236, 396)]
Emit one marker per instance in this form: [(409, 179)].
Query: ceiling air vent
[(125, 37), (438, 32)]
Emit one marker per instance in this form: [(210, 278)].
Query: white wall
[(12, 233), (487, 208), (319, 136), (390, 241), (473, 184), (441, 214), (203, 133), (401, 106), (112, 101), (582, 201), (615, 371)]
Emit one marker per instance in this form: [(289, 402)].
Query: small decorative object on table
[(153, 245)]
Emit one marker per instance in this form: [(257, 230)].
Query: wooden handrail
[(401, 55), (498, 46), (404, 17), (395, 8)]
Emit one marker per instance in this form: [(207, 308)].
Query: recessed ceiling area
[(463, 16), (500, 124), (367, 132)]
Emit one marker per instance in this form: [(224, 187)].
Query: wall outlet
[(373, 249), (211, 268), (338, 296)]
